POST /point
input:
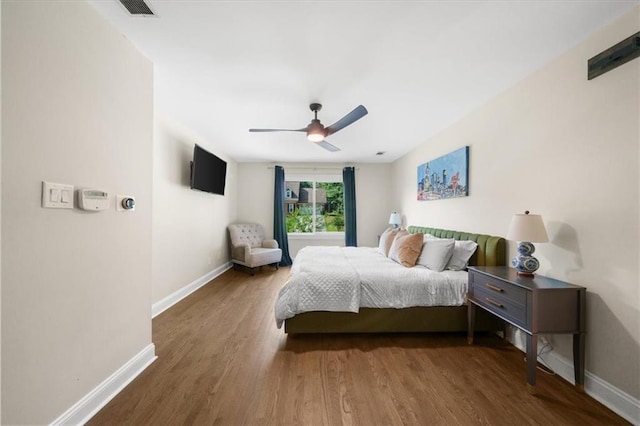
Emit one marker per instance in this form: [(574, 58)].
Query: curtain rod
[(312, 168)]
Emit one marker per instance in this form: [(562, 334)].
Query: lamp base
[(524, 263)]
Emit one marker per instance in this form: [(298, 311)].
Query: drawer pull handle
[(494, 288), (493, 302)]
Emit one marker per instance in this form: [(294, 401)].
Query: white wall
[(189, 227), (76, 286), (567, 148), (373, 186), (0, 211)]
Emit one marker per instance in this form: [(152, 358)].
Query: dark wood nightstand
[(533, 304)]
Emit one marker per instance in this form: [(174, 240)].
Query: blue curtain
[(350, 232), (279, 220)]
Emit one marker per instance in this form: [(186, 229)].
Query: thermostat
[(93, 199)]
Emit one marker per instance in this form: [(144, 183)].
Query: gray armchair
[(250, 248)]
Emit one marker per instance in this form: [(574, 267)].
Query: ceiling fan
[(316, 132)]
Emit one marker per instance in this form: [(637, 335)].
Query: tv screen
[(208, 172)]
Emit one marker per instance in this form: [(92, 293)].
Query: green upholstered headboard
[(491, 250)]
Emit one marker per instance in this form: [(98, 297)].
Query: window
[(319, 207)]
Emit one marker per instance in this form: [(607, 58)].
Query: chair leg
[(253, 271)]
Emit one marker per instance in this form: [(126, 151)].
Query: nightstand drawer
[(500, 289), (500, 305)]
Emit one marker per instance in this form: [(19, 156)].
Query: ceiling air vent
[(137, 7)]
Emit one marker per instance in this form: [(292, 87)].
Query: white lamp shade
[(527, 227), (395, 218)]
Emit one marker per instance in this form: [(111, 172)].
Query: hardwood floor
[(222, 361)]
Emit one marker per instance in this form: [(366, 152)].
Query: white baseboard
[(164, 304), (82, 411), (618, 401)]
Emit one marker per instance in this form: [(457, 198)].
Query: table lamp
[(395, 219), (527, 229)]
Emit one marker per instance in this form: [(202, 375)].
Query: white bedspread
[(343, 279), (322, 279), (387, 284)]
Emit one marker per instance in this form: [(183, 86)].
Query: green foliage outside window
[(329, 217), (335, 196)]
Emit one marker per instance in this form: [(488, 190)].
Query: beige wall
[(567, 148), (189, 226), (76, 286), (373, 186)]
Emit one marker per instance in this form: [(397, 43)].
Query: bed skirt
[(407, 320)]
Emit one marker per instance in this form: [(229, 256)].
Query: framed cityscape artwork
[(444, 177)]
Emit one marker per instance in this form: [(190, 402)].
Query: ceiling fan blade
[(278, 130), (326, 145), (355, 115)]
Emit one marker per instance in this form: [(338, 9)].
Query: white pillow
[(462, 252), (436, 253)]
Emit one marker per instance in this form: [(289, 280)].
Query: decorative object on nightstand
[(527, 229), (395, 219)]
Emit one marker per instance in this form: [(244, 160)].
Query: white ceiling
[(222, 67)]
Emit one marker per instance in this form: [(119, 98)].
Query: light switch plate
[(57, 195)]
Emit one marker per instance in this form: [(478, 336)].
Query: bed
[(491, 251)]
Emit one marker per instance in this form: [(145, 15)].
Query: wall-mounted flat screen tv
[(208, 172)]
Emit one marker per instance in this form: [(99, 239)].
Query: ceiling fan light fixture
[(315, 136), (316, 131)]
